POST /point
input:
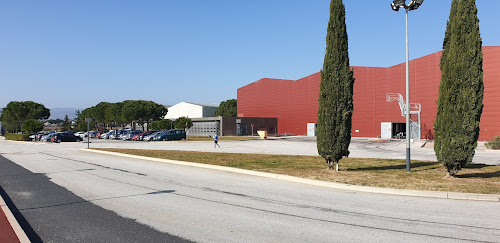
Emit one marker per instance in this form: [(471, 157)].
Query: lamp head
[(414, 4), (396, 4)]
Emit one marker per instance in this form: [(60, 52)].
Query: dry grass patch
[(390, 173), (221, 138)]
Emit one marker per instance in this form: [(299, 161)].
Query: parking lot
[(359, 148)]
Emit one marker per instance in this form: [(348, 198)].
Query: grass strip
[(222, 138), (388, 173)]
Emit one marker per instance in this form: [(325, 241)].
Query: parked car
[(122, 133), (38, 136), (33, 137), (92, 134), (130, 134), (174, 134), (151, 137), (117, 134), (99, 133), (47, 138), (65, 137), (140, 137), (112, 135), (80, 134), (106, 135)]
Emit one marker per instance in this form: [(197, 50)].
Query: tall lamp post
[(88, 120), (395, 5)]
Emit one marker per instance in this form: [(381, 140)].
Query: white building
[(191, 110)]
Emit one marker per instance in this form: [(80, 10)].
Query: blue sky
[(79, 53)]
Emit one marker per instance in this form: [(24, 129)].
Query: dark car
[(174, 134), (65, 137)]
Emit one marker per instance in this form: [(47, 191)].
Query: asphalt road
[(48, 212), (164, 200)]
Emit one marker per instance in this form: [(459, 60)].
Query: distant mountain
[(60, 113)]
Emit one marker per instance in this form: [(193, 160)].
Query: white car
[(80, 134), (151, 136), (106, 135)]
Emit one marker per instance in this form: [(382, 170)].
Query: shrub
[(494, 143), (163, 124), (180, 123), (17, 137)]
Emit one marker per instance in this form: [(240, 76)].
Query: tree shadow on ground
[(476, 166), (395, 167), (480, 175)]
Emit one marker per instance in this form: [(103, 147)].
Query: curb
[(21, 235), (380, 190)]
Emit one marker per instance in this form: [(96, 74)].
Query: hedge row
[(17, 137), (494, 143)]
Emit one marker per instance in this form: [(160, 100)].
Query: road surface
[(158, 200)]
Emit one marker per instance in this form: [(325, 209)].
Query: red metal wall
[(490, 119), (295, 103)]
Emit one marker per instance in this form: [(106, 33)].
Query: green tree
[(142, 111), (98, 113), (14, 115), (180, 123), (155, 112), (113, 114), (121, 113), (227, 108), (163, 124), (82, 124), (461, 89), (32, 126), (132, 110), (66, 125), (336, 91)]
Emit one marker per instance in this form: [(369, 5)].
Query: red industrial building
[(295, 102)]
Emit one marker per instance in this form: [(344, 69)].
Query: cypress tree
[(460, 100), (453, 11), (336, 91)]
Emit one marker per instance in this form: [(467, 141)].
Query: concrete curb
[(391, 191), (21, 235)]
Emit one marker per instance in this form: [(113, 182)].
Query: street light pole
[(408, 132), (414, 4), (88, 120)]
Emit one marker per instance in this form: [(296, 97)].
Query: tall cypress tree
[(447, 34), (460, 101), (336, 91)]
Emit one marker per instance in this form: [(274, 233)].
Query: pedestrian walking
[(216, 140)]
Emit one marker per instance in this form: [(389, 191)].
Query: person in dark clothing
[(216, 140)]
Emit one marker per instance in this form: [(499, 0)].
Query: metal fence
[(204, 128)]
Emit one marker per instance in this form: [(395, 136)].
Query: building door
[(241, 129), (311, 129), (399, 130)]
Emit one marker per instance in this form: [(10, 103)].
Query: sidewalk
[(10, 230)]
